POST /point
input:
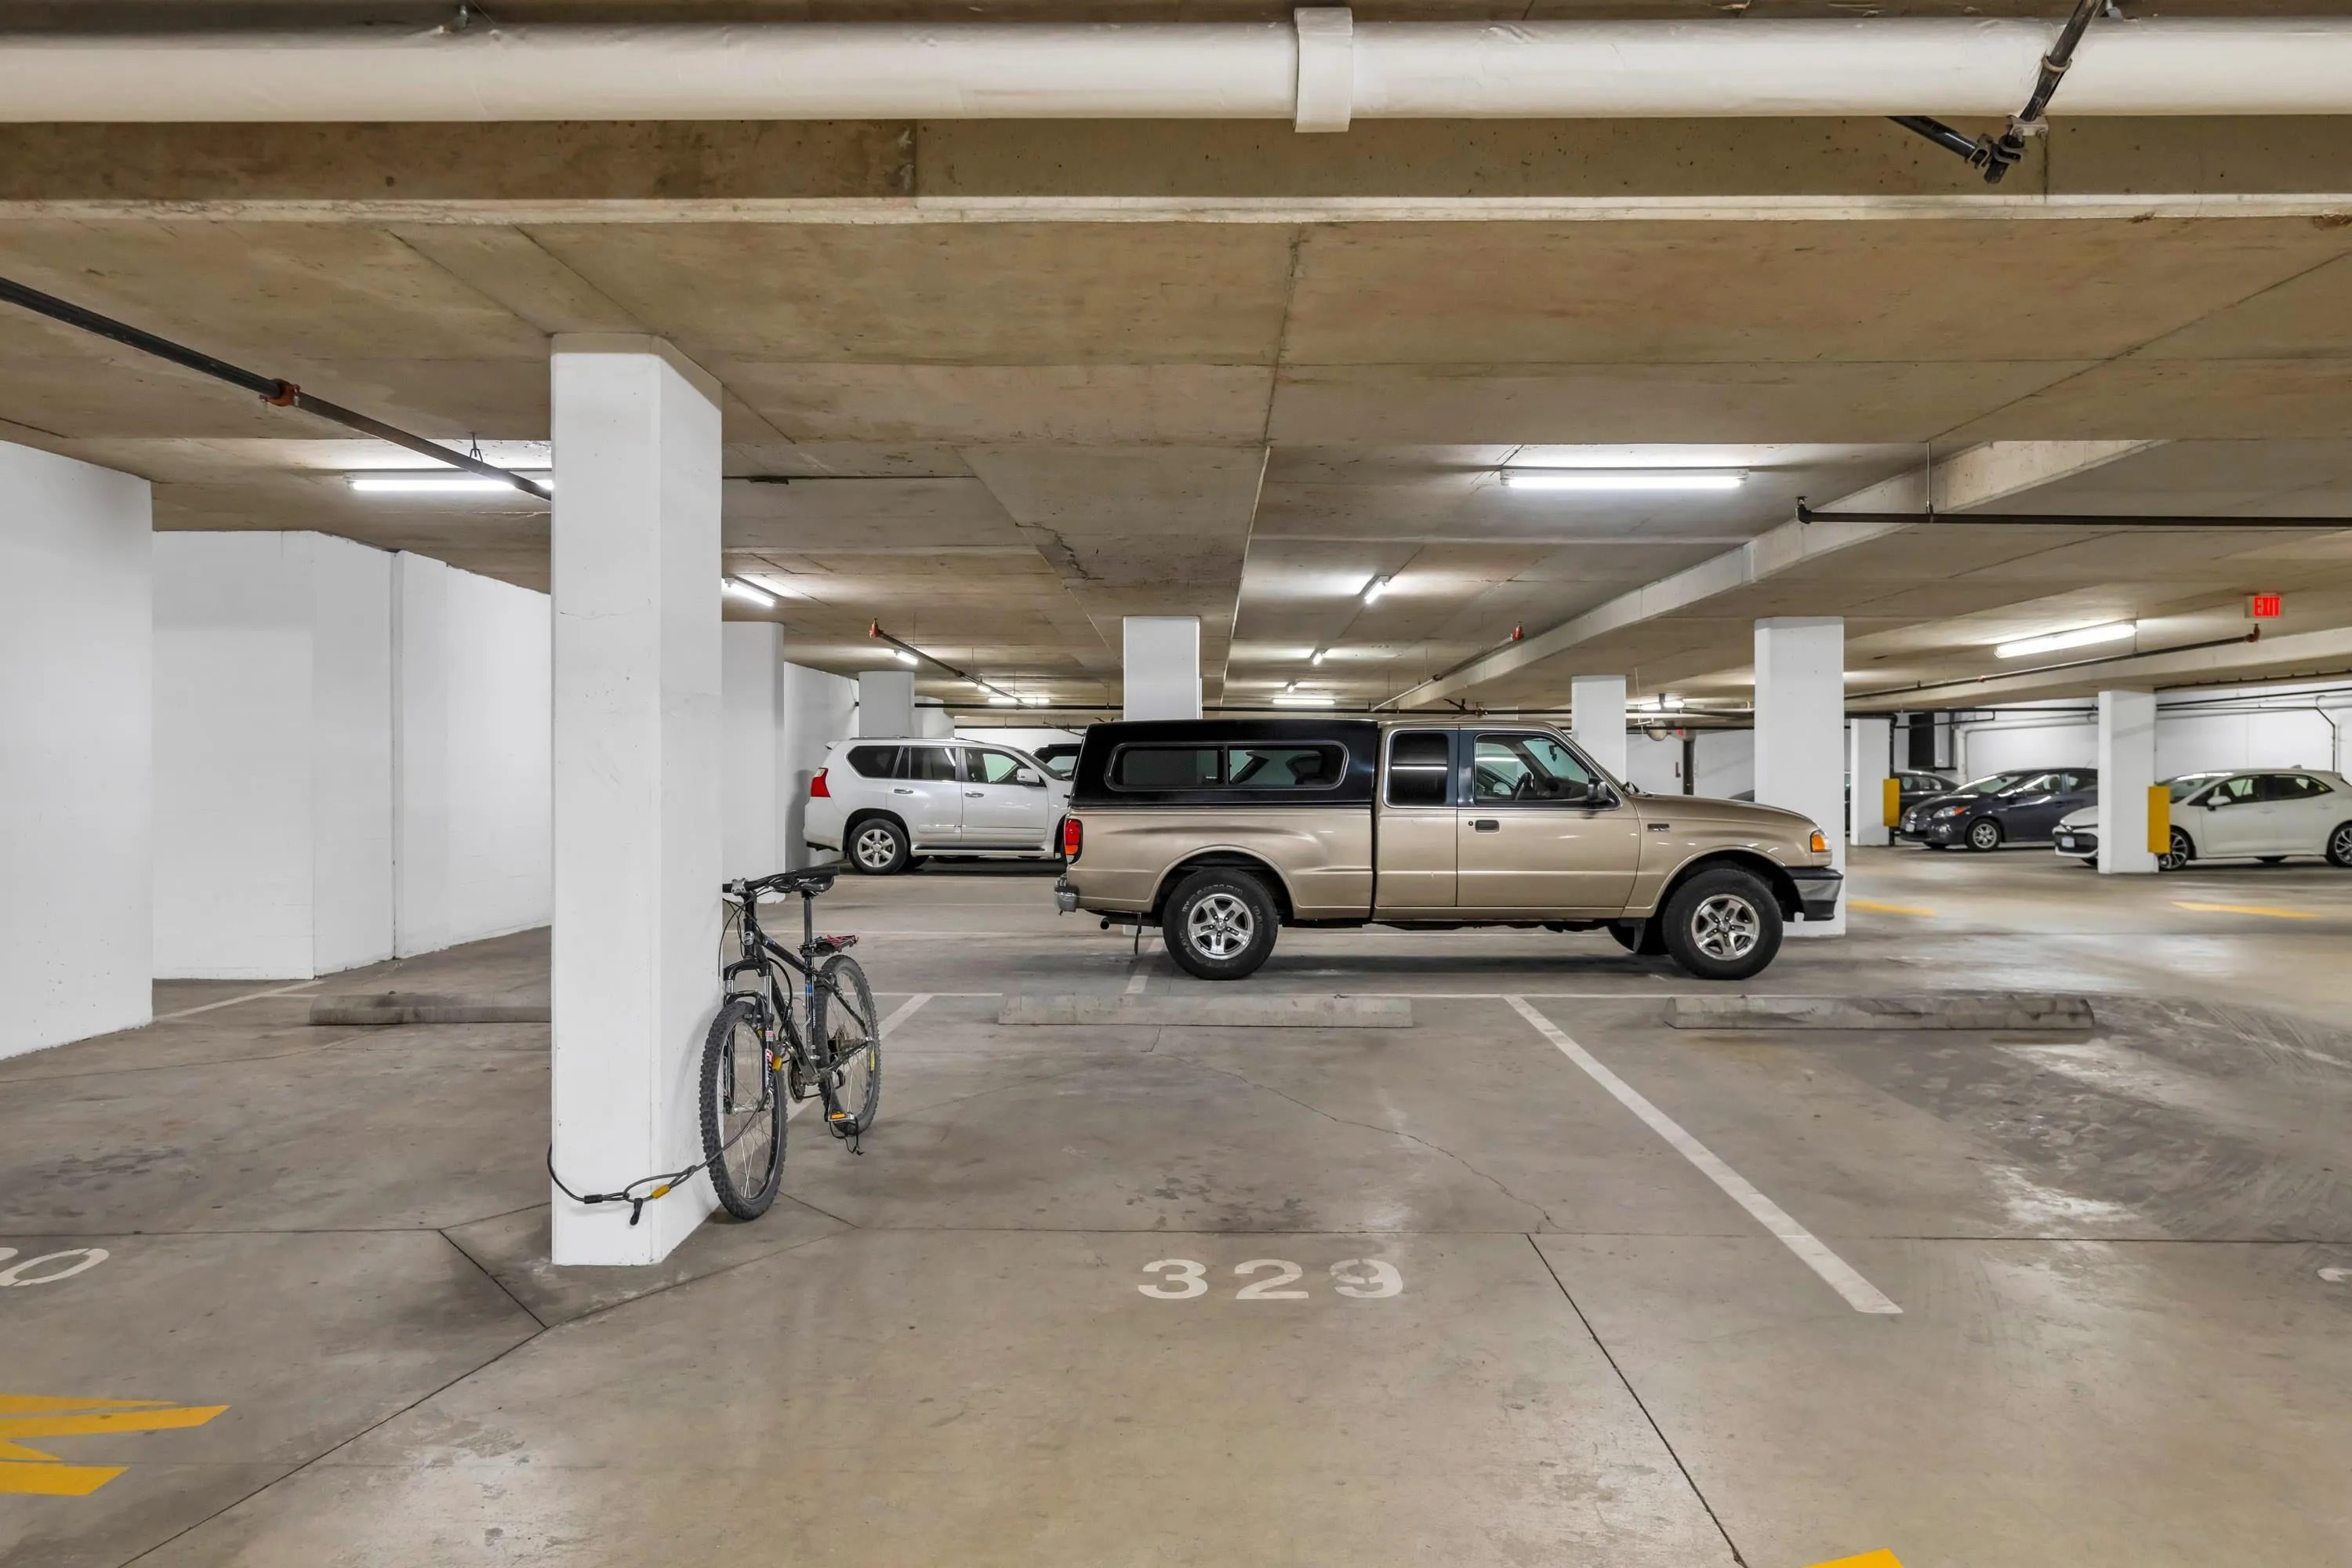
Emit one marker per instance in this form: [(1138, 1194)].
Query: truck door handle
[(975, 794), (1485, 824), (900, 789)]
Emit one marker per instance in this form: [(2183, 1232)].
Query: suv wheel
[(877, 847), (1219, 925), (1984, 833), (1723, 924)]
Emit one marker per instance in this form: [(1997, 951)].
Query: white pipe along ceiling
[(1319, 72)]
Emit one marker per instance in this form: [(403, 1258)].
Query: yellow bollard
[(2160, 820), (1890, 791)]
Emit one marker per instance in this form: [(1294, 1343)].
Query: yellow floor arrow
[(27, 1469), (1867, 1559)]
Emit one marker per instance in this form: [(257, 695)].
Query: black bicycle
[(764, 1055)]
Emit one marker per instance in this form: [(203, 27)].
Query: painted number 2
[(1182, 1278)]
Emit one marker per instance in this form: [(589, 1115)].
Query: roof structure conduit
[(2067, 519), (1321, 71)]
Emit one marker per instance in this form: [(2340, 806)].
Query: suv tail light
[(816, 785), (1074, 838)]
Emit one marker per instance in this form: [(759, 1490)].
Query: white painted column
[(818, 710), (2126, 773), (750, 685), (420, 755), (1870, 743), (77, 669), (885, 703), (1800, 732), (636, 782), (1162, 667), (1596, 711)]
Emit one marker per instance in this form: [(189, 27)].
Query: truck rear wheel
[(1723, 924), (1219, 925)]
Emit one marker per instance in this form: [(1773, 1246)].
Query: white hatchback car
[(882, 806), (2264, 814)]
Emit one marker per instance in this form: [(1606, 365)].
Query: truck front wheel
[(1219, 925), (1723, 924)]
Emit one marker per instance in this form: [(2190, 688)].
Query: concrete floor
[(2123, 1260)]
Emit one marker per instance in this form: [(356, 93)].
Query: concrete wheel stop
[(1217, 1011), (1948, 1010), (390, 1008)]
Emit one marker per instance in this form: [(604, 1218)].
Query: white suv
[(882, 804)]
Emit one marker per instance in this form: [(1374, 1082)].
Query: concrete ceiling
[(998, 438)]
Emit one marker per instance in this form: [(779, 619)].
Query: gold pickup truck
[(1221, 831)]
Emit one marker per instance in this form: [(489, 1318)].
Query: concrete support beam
[(750, 685), (2126, 771), (1800, 731), (1597, 716), (818, 710), (885, 703), (1162, 667), (1869, 745), (637, 766), (76, 835)]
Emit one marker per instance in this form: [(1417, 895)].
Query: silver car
[(884, 804)]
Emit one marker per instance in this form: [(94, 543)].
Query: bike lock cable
[(668, 1182)]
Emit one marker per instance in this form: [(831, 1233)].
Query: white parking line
[(233, 1001), (906, 1010), (1142, 973), (1859, 1293)]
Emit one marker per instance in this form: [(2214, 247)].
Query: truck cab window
[(1527, 769), (1420, 768)]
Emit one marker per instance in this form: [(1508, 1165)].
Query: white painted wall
[(470, 737), (885, 703), (750, 687), (1019, 736), (272, 663), (1160, 668), (1654, 765), (75, 819), (1726, 762), (818, 709), (2190, 735), (1596, 708)]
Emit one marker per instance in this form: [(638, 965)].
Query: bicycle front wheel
[(742, 1112), (846, 1028)]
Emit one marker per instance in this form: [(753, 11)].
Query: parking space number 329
[(1271, 1280)]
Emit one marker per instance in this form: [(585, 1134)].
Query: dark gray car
[(2018, 807)]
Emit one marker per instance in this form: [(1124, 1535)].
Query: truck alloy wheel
[(879, 847), (1723, 924), (1219, 925)]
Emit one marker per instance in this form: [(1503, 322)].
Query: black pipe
[(270, 389), (1941, 134), (1996, 155), (2057, 519)]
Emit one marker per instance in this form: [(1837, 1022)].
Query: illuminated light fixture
[(1621, 480), (1318, 655), (437, 482), (1304, 700), (743, 590), (2082, 637), (1375, 588), (902, 655), (1000, 702)]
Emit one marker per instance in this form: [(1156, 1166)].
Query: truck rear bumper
[(1818, 888)]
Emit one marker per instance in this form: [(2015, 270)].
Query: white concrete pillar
[(750, 685), (420, 755), (885, 703), (1162, 667), (1800, 731), (1870, 743), (2126, 773), (77, 839), (818, 710), (1596, 712), (637, 766)]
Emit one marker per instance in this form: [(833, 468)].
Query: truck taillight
[(816, 786), (1074, 838)]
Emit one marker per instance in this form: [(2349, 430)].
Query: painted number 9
[(1366, 1279), (1183, 1278)]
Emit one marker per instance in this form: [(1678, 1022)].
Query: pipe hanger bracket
[(1327, 68)]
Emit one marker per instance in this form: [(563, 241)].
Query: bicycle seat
[(808, 883)]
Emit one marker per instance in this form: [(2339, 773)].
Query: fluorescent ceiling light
[(902, 655), (1318, 655), (1304, 700), (457, 482), (1000, 702), (1374, 589), (743, 590), (1624, 480), (2083, 637)]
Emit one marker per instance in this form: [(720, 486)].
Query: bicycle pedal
[(836, 1116)]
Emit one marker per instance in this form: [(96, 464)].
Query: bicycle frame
[(761, 953)]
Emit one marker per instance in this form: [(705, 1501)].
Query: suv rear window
[(873, 762), (1284, 766)]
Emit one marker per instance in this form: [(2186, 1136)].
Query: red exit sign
[(2263, 606)]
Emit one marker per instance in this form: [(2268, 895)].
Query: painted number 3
[(1181, 1279)]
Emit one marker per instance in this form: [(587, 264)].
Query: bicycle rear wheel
[(845, 1028), (742, 1112)]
